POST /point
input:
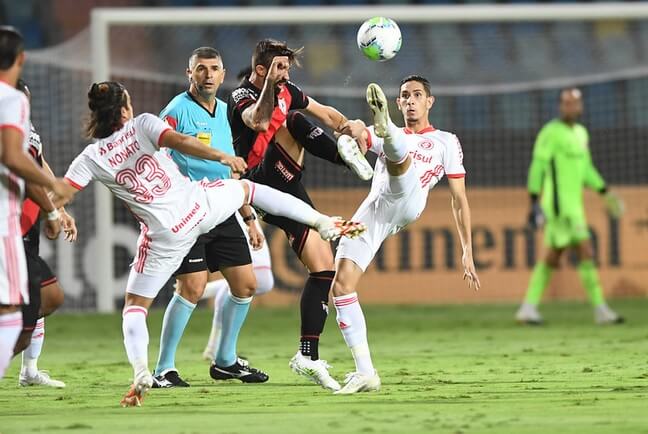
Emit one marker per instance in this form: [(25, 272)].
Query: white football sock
[(394, 146), (264, 278), (281, 204), (10, 327), (220, 290), (136, 337), (31, 354), (352, 324)]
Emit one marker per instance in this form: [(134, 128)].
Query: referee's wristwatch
[(249, 218)]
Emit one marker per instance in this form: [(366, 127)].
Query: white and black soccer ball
[(379, 38)]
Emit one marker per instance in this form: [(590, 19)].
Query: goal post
[(104, 19)]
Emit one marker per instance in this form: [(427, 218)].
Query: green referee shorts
[(561, 232)]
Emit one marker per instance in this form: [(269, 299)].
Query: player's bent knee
[(339, 288), (52, 297)]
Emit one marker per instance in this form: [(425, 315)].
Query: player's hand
[(52, 228), (237, 164), (278, 71), (356, 129), (470, 273), (256, 236), (536, 216), (614, 205), (63, 192), (69, 226)]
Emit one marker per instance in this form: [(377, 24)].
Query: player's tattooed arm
[(461, 214), (339, 123), (258, 115)]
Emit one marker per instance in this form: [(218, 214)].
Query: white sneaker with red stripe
[(332, 228), (357, 382), (315, 370)]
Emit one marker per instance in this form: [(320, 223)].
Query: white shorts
[(399, 204), (13, 271), (160, 254)]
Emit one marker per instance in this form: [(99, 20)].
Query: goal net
[(495, 71)]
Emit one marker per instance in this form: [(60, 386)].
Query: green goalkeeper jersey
[(561, 166)]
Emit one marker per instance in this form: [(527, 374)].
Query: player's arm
[(192, 146), (20, 163), (339, 123), (462, 218), (256, 236), (593, 179), (39, 195), (542, 154), (258, 115), (68, 223)]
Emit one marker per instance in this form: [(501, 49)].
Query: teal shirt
[(185, 115)]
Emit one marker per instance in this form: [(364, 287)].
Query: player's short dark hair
[(267, 49), (11, 45), (205, 53), (105, 101), (420, 79)]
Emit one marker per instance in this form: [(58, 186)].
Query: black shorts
[(39, 274), (224, 246), (280, 171)]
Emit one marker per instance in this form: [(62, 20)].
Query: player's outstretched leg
[(350, 152), (394, 148), (281, 204), (29, 373), (318, 143)]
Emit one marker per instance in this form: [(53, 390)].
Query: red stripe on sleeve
[(159, 142), (456, 175), (74, 184)]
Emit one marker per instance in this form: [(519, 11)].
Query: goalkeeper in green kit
[(561, 166)]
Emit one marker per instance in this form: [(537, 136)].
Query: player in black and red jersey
[(272, 135), (45, 294)]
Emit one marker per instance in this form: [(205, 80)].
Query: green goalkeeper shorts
[(561, 232)]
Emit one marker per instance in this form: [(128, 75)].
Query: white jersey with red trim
[(14, 113), (133, 168), (434, 153)]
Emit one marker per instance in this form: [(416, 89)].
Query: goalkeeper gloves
[(536, 216), (614, 205)]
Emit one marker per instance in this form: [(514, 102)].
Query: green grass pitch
[(446, 369)]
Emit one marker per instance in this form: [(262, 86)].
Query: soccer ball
[(379, 38)]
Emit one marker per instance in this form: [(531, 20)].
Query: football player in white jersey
[(16, 167), (410, 162), (172, 210)]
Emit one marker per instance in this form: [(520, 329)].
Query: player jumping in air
[(272, 135), (561, 167), (197, 112), (410, 162), (173, 211)]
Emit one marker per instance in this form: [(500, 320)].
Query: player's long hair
[(105, 101), (267, 49)]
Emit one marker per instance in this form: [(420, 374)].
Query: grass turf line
[(446, 369)]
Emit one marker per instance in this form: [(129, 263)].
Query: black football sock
[(314, 310), (313, 138)]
